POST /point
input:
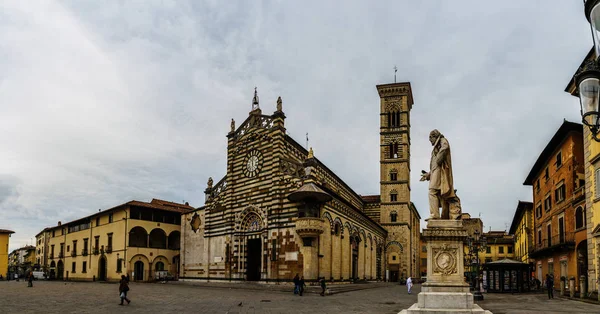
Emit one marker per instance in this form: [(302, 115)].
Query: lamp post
[(477, 244), (587, 77)]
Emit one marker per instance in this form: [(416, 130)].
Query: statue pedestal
[(445, 290)]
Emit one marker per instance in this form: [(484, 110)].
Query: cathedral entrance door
[(253, 257), (354, 259)]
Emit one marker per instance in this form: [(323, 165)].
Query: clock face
[(252, 163)]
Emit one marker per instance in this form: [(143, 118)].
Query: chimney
[(59, 223)]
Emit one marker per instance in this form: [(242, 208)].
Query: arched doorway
[(354, 240), (252, 225), (52, 270), (138, 271), (102, 268), (159, 266), (60, 268)]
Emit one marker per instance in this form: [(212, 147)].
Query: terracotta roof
[(6, 231), (173, 204), (371, 198), (157, 205)]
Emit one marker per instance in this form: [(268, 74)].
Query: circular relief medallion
[(252, 163), (445, 262)]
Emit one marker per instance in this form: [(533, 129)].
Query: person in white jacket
[(409, 284)]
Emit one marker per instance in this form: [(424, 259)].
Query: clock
[(252, 163)]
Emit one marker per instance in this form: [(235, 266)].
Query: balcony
[(96, 251), (309, 226), (560, 242), (61, 255), (51, 256), (108, 249), (84, 252), (73, 253)]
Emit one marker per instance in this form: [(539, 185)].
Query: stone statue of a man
[(441, 185)]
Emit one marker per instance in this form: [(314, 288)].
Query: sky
[(106, 102)]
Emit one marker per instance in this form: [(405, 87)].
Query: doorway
[(354, 258), (60, 270), (138, 271), (253, 254), (102, 269)]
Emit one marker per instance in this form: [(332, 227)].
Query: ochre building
[(279, 211), (557, 178), (522, 229), (4, 239), (137, 239)]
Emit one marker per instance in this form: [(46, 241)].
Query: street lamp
[(477, 244), (587, 78)]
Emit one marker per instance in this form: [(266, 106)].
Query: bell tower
[(397, 215)]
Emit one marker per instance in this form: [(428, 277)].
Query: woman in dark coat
[(123, 288)]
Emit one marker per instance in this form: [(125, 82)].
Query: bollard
[(563, 283), (572, 287), (582, 287)]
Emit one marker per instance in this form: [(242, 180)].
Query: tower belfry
[(397, 214)]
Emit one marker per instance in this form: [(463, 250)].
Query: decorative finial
[(395, 70), (232, 125), (279, 103), (255, 100), (210, 183), (310, 153)]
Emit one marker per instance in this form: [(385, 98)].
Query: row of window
[(119, 266), (558, 164), (75, 228), (85, 251)]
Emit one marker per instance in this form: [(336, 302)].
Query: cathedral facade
[(279, 211)]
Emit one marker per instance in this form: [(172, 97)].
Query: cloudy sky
[(105, 102)]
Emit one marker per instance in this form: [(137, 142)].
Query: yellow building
[(590, 222), (4, 239), (135, 238), (522, 230), (500, 245)]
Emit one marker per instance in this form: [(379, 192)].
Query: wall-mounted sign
[(291, 256)]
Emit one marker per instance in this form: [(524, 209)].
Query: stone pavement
[(71, 297)]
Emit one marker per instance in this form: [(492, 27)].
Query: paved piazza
[(60, 297)]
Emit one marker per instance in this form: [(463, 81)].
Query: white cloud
[(101, 103)]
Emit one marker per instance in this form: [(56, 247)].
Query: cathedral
[(279, 211)]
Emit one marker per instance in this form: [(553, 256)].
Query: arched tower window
[(394, 119), (579, 219), (393, 216), (393, 147)]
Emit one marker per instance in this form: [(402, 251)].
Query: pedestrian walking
[(30, 279), (296, 284), (301, 285), (123, 288), (323, 286), (409, 284), (550, 286)]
